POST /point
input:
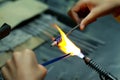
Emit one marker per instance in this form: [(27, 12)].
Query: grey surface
[(105, 30), (74, 68), (60, 6), (14, 39), (108, 30)]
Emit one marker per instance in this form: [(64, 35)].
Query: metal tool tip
[(54, 43)]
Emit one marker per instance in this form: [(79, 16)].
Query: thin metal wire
[(55, 59), (70, 31)]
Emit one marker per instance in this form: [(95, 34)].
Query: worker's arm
[(96, 9), (23, 66)]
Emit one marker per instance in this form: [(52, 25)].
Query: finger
[(94, 14), (87, 20), (10, 65), (30, 54), (16, 57), (73, 13), (43, 71), (74, 16), (6, 73)]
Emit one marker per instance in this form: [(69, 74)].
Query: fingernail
[(82, 27)]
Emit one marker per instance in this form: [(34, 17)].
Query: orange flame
[(66, 45)]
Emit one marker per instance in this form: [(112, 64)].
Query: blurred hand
[(23, 66), (87, 11)]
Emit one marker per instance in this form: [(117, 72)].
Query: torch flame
[(66, 45)]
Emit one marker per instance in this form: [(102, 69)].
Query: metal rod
[(104, 75), (70, 31), (55, 59)]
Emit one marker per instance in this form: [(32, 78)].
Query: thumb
[(43, 70), (94, 14), (91, 17)]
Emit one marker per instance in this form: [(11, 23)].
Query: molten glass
[(66, 45)]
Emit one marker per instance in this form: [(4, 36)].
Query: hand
[(87, 11), (23, 66)]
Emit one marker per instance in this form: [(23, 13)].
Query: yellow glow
[(66, 45)]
